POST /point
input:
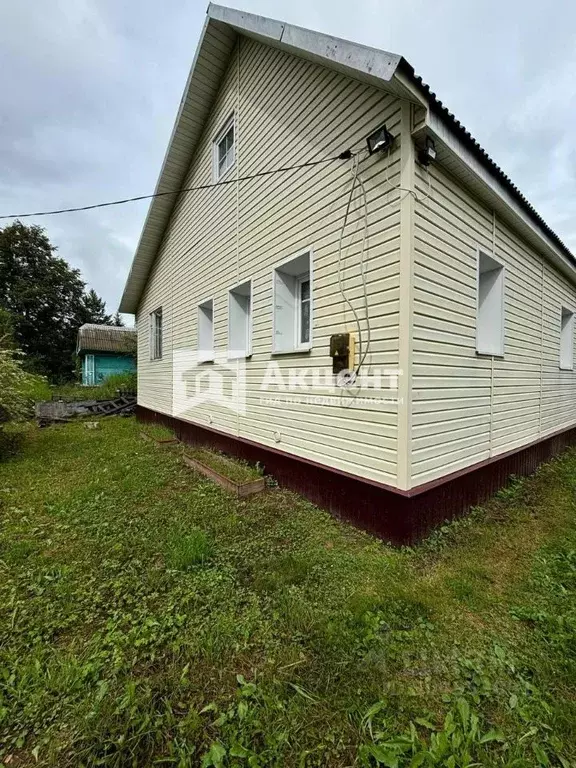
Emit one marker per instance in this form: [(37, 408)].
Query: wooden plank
[(238, 489)]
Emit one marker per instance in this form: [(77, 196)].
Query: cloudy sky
[(90, 88)]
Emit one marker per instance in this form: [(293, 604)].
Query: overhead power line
[(343, 156)]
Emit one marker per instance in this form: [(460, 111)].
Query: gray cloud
[(89, 91)]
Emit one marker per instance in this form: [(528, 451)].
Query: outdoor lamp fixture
[(380, 140), (428, 154)]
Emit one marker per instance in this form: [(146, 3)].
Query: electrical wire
[(403, 189), (362, 358), (354, 171), (343, 156)]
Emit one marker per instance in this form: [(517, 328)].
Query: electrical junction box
[(342, 352)]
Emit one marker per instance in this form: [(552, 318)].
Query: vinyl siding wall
[(287, 111), (466, 407)]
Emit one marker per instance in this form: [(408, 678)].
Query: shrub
[(11, 437), (108, 390), (18, 389), (125, 382)]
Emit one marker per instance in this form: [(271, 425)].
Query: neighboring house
[(105, 350), (460, 293)]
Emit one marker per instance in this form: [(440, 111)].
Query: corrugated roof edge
[(320, 43), (435, 104)]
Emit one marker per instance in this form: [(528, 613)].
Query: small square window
[(490, 306), (206, 331), (240, 320), (293, 305), (224, 150), (156, 334), (567, 340)]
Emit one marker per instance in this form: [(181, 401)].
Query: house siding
[(287, 111), (467, 408), (155, 376)]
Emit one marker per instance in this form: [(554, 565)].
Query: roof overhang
[(381, 69), (453, 155), (460, 154)]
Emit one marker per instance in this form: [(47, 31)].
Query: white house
[(348, 289)]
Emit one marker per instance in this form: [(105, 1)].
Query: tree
[(94, 310), (117, 320), (46, 300), (6, 330)]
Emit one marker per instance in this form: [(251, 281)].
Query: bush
[(108, 390), (11, 437), (125, 382), (19, 390)]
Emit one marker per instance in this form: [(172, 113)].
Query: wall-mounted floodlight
[(380, 140), (428, 154)]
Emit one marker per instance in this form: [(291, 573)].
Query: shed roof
[(385, 70), (106, 338)]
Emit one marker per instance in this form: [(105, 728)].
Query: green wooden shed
[(105, 350)]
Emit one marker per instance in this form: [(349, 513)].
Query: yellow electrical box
[(342, 352)]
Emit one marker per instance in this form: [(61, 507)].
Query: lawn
[(147, 618)]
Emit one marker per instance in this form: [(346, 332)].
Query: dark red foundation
[(401, 517)]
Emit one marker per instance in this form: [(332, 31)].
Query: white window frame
[(566, 339), (298, 347), (298, 331), (238, 354), (479, 349), (205, 355), (230, 123), (156, 341)]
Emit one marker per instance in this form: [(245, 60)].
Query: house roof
[(106, 338), (380, 68)]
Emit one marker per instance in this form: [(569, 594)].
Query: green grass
[(188, 549), (157, 431), (106, 391), (148, 618), (72, 392)]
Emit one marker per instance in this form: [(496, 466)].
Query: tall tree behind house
[(46, 299)]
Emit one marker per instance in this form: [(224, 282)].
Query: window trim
[(480, 352), (298, 330), (248, 351), (216, 141), (153, 336), (566, 310), (278, 266), (209, 357)]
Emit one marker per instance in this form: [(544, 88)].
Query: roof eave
[(445, 128), (380, 68)]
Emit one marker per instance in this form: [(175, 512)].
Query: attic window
[(224, 150)]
